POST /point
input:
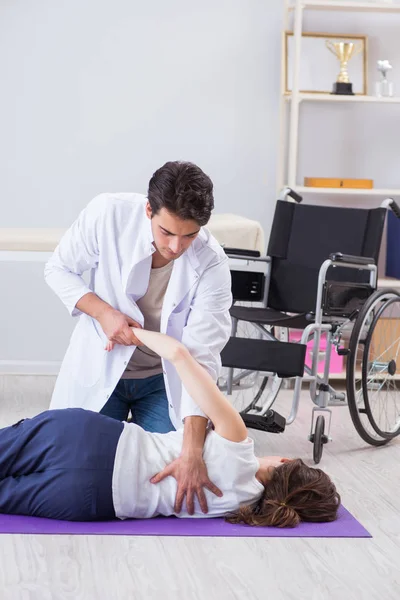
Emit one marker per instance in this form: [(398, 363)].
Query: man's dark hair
[(183, 190)]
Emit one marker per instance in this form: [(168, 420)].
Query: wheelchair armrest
[(246, 255), (241, 252), (338, 257)]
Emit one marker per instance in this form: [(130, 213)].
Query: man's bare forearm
[(194, 434), (92, 305)]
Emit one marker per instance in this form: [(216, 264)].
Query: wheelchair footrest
[(272, 422)]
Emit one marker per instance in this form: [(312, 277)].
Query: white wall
[(97, 94)]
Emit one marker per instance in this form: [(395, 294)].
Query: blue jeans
[(146, 399)]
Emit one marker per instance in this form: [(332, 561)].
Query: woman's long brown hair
[(295, 493)]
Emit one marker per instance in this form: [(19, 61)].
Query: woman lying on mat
[(80, 465)]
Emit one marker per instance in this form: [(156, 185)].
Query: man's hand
[(117, 328), (190, 472)]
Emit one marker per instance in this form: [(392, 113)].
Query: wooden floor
[(57, 567)]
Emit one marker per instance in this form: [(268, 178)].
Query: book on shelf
[(336, 182)]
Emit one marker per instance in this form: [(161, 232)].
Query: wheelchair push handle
[(295, 196), (287, 191), (392, 204), (395, 208)]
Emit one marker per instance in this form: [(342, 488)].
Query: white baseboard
[(29, 367)]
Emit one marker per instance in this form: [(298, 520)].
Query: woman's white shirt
[(140, 455)]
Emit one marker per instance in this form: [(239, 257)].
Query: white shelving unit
[(288, 159)]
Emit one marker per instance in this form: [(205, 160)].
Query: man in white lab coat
[(151, 264)]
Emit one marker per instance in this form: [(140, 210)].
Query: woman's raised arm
[(227, 421)]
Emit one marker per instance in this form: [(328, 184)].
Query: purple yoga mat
[(346, 526)]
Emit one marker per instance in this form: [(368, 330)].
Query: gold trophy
[(344, 51)]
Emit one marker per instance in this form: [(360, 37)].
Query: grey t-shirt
[(144, 362)]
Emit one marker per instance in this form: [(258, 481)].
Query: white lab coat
[(112, 238)]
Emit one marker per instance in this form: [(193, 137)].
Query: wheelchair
[(319, 277)]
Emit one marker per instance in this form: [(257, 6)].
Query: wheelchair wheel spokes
[(381, 370), (244, 389), (373, 396), (251, 393), (383, 409), (267, 393), (268, 388), (370, 435)]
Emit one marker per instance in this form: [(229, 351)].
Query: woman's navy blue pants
[(59, 465)]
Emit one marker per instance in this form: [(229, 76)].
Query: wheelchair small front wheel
[(373, 369), (318, 438)]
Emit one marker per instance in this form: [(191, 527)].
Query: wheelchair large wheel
[(373, 369)]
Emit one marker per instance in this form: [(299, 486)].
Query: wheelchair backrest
[(303, 237)]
